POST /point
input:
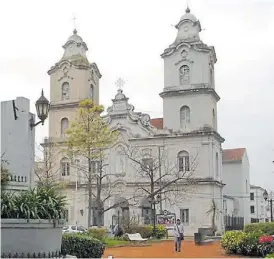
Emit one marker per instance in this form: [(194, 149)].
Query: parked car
[(74, 229)]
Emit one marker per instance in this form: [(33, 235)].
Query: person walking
[(178, 235)]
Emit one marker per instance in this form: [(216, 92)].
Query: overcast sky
[(126, 37)]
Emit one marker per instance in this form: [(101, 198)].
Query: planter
[(33, 237)]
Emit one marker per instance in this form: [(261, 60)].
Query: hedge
[(146, 231), (266, 228), (98, 233), (82, 246)]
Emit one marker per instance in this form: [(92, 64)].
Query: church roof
[(233, 155), (157, 123)]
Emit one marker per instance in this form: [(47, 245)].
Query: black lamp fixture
[(42, 108), (265, 195)]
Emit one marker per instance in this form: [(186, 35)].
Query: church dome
[(120, 95), (75, 37), (188, 16)]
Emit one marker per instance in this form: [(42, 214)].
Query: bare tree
[(47, 171), (101, 186), (160, 177)]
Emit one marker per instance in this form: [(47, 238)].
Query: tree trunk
[(89, 192)]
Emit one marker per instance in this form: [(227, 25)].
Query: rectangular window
[(184, 215), (252, 196), (252, 209)]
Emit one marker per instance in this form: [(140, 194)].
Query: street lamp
[(42, 108), (153, 202), (266, 198)]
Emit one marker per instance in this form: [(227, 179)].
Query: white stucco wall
[(237, 179), (18, 142), (260, 205)]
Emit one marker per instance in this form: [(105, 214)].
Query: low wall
[(30, 236)]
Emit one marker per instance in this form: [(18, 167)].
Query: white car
[(74, 229)]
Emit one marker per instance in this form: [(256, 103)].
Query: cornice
[(57, 106), (96, 69), (59, 64), (205, 90), (180, 134), (197, 45)]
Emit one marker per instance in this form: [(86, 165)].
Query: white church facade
[(184, 143)]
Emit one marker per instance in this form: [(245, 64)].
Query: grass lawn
[(110, 242)]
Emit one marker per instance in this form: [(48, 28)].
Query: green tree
[(89, 136)]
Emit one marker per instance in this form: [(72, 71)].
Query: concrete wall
[(35, 236), (18, 142)]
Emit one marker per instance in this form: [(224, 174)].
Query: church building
[(184, 147)]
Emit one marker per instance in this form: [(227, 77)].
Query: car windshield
[(65, 228)]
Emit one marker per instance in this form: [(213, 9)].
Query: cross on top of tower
[(120, 83), (74, 25)]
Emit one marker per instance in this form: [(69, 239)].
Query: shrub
[(244, 243), (82, 246), (270, 256), (267, 228), (38, 203), (147, 230), (251, 242), (232, 241), (161, 231), (144, 231), (98, 233)]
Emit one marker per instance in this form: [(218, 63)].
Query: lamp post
[(42, 108), (270, 200), (153, 202)]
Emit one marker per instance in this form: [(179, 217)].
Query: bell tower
[(72, 80), (189, 97)]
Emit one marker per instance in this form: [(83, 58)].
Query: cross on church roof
[(120, 83), (74, 24)]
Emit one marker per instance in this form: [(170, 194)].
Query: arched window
[(64, 126), (184, 116), (65, 91), (183, 161), (65, 167), (91, 93), (184, 75)]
